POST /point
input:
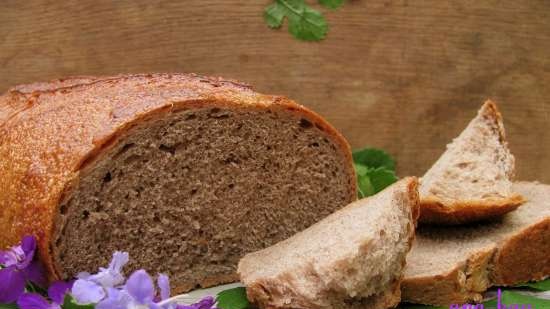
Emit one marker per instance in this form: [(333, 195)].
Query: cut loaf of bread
[(457, 264), (354, 258), (472, 180), (186, 173)]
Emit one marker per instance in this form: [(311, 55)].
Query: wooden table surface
[(405, 76)]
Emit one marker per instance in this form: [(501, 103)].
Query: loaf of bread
[(472, 180), (186, 173), (455, 265), (354, 258)]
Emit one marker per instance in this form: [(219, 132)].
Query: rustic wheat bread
[(351, 259), (471, 181), (456, 264), (186, 173)]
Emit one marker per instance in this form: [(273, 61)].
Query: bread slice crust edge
[(434, 210), (519, 254)]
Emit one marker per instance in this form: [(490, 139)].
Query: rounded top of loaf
[(50, 131)]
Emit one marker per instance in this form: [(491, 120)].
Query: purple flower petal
[(33, 301), (8, 258), (111, 276), (140, 287), (28, 245), (119, 260), (205, 303), (153, 305), (35, 273), (58, 290), (164, 286), (12, 256), (87, 292), (83, 275), (12, 284), (116, 299)]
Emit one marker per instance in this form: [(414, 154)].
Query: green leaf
[(541, 285), (232, 299), (310, 25), (31, 287), (373, 158), (364, 186), (380, 178), (305, 23), (373, 180), (70, 303), (375, 171), (332, 4), (274, 15), (8, 306), (360, 169), (509, 298)]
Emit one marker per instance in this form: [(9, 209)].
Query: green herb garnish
[(232, 299), (375, 170), (70, 303), (541, 285), (304, 22)]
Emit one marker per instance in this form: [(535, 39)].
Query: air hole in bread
[(306, 124), (169, 149), (107, 177)]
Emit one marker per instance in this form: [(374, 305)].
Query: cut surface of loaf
[(471, 181), (352, 259), (455, 265), (186, 173)]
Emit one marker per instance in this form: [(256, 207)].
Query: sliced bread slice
[(471, 181), (455, 265), (352, 258)]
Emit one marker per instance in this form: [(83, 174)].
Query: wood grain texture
[(405, 76)]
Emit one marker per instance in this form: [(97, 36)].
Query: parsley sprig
[(375, 170), (304, 22)]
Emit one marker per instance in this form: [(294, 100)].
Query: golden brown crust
[(463, 284), (521, 258), (50, 131), (524, 257), (491, 111), (434, 210)]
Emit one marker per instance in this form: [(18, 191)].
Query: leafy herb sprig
[(304, 22), (375, 170)]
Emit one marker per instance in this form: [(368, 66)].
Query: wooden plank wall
[(405, 76)]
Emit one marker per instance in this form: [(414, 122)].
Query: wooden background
[(405, 76)]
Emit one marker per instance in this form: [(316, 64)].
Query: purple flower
[(19, 267), (139, 292), (93, 288), (205, 303), (111, 276), (56, 293)]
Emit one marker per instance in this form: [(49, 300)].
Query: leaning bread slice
[(471, 181), (456, 265), (352, 258)]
